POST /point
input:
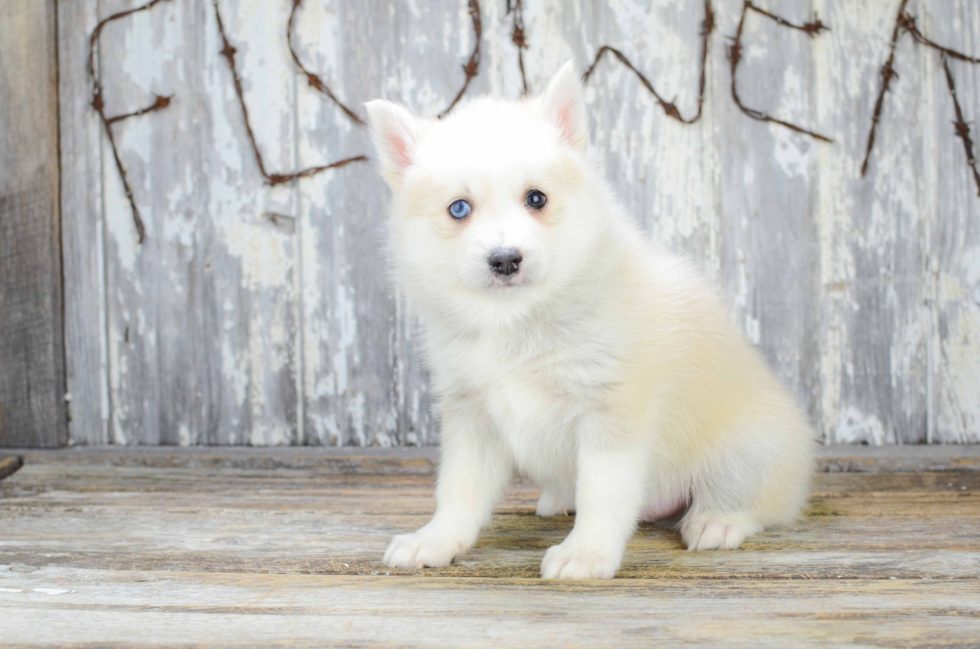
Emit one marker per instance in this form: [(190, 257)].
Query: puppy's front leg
[(608, 499), (473, 472)]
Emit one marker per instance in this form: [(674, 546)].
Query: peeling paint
[(856, 427), (867, 288)]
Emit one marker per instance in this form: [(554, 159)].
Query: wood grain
[(874, 286), (146, 609), (83, 229), (768, 175), (363, 380), (843, 458), (32, 373), (202, 317), (307, 520), (955, 236), (147, 556)]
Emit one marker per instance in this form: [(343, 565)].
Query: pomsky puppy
[(565, 346)]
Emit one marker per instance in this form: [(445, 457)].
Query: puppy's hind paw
[(716, 531), (554, 503), (422, 549)]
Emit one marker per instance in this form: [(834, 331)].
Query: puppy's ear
[(395, 133), (564, 106)]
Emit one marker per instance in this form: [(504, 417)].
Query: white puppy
[(565, 346)]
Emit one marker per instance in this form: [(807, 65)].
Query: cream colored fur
[(606, 370)]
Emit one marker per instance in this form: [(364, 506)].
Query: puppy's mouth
[(503, 283)]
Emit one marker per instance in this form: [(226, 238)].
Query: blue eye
[(459, 209)]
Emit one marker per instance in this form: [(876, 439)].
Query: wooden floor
[(108, 550)]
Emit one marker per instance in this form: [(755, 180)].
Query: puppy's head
[(491, 209)]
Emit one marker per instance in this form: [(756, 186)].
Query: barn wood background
[(258, 314)]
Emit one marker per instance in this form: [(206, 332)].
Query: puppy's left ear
[(564, 106), (395, 133)]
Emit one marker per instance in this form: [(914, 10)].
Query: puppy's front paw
[(570, 560), (423, 549)]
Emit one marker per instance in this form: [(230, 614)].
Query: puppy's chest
[(534, 411), (533, 388)]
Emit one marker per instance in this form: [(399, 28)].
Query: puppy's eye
[(535, 199), (459, 209)]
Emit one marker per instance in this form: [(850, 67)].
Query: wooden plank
[(831, 459), (32, 373), (202, 316), (860, 526), (873, 231), (767, 222), (140, 278), (954, 376), (86, 357), (151, 556), (893, 459), (254, 250), (363, 380), (328, 459), (142, 608), (359, 460)]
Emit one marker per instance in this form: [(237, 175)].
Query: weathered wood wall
[(32, 376), (260, 315)]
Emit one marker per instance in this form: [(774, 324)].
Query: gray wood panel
[(82, 230), (885, 238), (363, 380), (954, 240), (32, 379), (262, 315), (873, 288), (202, 315), (768, 183)]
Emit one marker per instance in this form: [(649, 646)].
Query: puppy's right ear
[(564, 106), (395, 133)]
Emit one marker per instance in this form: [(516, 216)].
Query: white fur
[(606, 370)]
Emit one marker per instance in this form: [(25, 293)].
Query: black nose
[(505, 261)]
